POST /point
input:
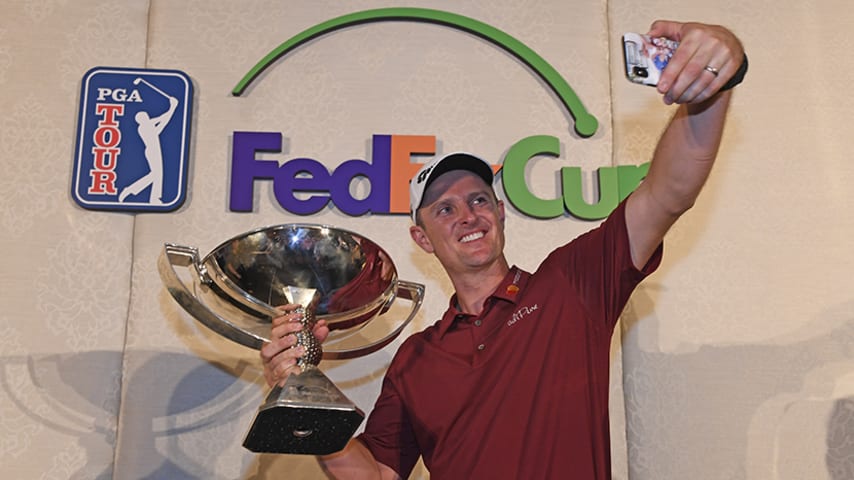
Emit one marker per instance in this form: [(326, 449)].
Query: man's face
[(461, 222)]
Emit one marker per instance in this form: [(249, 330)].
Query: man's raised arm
[(709, 57)]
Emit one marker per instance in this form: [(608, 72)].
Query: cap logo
[(423, 175)]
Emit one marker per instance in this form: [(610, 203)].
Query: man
[(512, 382)]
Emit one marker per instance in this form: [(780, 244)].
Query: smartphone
[(645, 57)]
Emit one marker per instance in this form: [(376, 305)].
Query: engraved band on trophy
[(333, 274)]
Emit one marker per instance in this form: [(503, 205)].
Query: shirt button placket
[(477, 323)]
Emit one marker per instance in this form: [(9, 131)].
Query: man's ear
[(420, 237), (501, 214)]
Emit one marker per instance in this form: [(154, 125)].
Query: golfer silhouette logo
[(149, 132), (133, 139)]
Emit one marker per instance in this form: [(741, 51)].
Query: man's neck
[(474, 287)]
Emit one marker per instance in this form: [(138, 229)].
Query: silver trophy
[(333, 274)]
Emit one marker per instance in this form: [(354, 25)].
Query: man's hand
[(279, 355), (707, 57)]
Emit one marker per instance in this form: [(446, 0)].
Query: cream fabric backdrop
[(735, 360)]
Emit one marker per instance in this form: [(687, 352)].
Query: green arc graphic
[(585, 123)]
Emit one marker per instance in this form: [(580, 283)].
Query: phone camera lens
[(640, 72)]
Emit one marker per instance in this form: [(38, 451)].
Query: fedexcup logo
[(132, 139), (305, 186)]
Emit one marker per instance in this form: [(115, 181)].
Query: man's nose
[(467, 214)]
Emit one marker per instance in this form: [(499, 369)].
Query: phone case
[(646, 57)]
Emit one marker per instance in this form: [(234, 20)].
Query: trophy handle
[(185, 256), (411, 291)]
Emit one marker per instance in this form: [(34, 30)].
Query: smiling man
[(512, 381)]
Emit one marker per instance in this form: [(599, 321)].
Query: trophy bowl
[(333, 274)]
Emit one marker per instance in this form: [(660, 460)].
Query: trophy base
[(307, 416)]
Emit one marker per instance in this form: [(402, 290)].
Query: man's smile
[(472, 237)]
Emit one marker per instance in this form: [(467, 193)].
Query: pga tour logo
[(132, 139)]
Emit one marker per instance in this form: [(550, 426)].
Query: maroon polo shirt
[(520, 391)]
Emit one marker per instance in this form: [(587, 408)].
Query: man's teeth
[(471, 237)]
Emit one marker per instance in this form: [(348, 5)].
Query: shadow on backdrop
[(181, 405), (772, 390)]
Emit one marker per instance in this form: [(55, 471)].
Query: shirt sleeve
[(389, 434), (599, 266)]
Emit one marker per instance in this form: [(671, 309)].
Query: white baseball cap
[(436, 167)]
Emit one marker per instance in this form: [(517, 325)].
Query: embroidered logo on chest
[(522, 313)]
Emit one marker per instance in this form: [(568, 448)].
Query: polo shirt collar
[(508, 290)]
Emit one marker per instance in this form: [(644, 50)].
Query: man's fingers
[(285, 330), (665, 28), (693, 81), (277, 345), (290, 313), (282, 364), (321, 331), (286, 324), (287, 316), (286, 361)]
